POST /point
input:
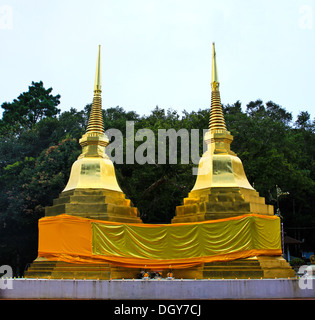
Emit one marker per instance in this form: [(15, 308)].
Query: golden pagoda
[(233, 245), (92, 190), (221, 189)]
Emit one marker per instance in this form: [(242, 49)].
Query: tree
[(304, 121), (29, 108), (26, 188)]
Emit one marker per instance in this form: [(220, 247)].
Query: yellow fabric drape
[(158, 246)]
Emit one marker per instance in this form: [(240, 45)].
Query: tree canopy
[(29, 108), (38, 145)]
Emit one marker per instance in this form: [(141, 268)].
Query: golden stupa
[(92, 190), (221, 193), (221, 189)]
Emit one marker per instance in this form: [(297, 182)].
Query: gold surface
[(266, 267), (222, 188), (98, 86), (93, 173), (97, 204), (254, 268), (215, 78), (41, 268), (95, 192)]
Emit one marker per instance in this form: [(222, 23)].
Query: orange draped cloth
[(79, 240)]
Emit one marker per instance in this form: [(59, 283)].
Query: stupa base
[(98, 204), (220, 203), (262, 267), (265, 267), (44, 269)]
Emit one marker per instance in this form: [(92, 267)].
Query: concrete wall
[(154, 289)]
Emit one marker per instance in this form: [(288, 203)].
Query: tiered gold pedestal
[(253, 268), (220, 203), (99, 204), (62, 270)]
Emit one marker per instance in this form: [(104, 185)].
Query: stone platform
[(254, 268), (160, 289)]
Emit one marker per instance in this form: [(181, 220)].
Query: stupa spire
[(94, 141), (217, 121), (95, 123), (98, 86), (215, 78)]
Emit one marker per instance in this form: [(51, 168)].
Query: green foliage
[(29, 108), (38, 147), (297, 262), (156, 189)]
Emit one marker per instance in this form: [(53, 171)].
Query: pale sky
[(158, 52)]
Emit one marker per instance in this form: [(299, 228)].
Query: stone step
[(240, 268), (238, 262), (67, 268), (80, 209), (232, 274), (93, 192), (73, 275), (58, 270), (191, 200), (70, 208), (228, 268), (124, 219), (37, 274), (91, 199), (82, 199), (46, 264), (226, 206), (224, 215), (189, 217)]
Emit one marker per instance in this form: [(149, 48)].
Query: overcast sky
[(158, 52)]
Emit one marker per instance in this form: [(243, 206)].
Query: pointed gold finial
[(215, 78), (217, 121), (98, 71), (94, 141), (96, 118)]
